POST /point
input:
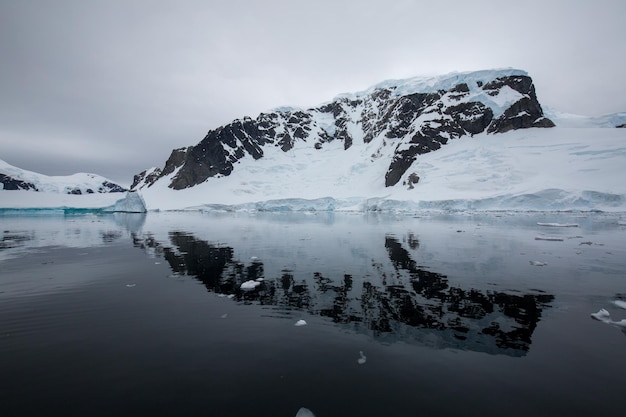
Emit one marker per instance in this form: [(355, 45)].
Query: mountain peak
[(394, 121)]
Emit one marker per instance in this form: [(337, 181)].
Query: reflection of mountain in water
[(398, 302)]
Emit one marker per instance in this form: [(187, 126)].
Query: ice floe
[(605, 317), (538, 263), (250, 285), (300, 323), (557, 224), (304, 412), (550, 238), (362, 358), (620, 304)]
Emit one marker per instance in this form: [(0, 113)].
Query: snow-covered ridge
[(432, 84), (14, 178), (579, 121)]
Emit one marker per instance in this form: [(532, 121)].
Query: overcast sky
[(111, 87)]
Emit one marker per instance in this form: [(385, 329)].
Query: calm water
[(144, 315)]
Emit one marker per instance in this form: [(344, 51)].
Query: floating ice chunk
[(621, 222), (620, 304), (621, 323), (130, 285), (224, 315), (558, 224), (538, 263), (132, 203), (304, 412), (250, 285), (550, 238), (602, 315), (254, 258), (231, 295), (300, 323), (362, 359)]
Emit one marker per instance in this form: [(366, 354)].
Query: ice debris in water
[(602, 315), (558, 224), (620, 304), (300, 323), (550, 238), (130, 285), (304, 412), (538, 263), (132, 203), (362, 359), (250, 285), (605, 317)]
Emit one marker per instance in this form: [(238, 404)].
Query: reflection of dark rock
[(13, 239), (404, 302)]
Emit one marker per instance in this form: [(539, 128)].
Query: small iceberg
[(250, 285), (300, 323), (132, 203), (538, 263), (362, 359), (605, 317), (558, 224), (550, 238), (304, 412), (620, 304), (602, 315)]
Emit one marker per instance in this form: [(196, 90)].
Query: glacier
[(557, 169)]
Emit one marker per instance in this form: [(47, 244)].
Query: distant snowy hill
[(13, 178)]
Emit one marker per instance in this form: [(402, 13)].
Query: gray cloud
[(112, 86)]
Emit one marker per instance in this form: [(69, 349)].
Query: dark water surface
[(441, 315)]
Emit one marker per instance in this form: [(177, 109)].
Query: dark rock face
[(622, 126), (109, 187), (411, 124), (10, 183)]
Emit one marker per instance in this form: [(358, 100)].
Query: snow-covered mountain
[(13, 178), (373, 150), (394, 121)]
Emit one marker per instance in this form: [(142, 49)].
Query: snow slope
[(580, 168), (528, 169), (82, 183)]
